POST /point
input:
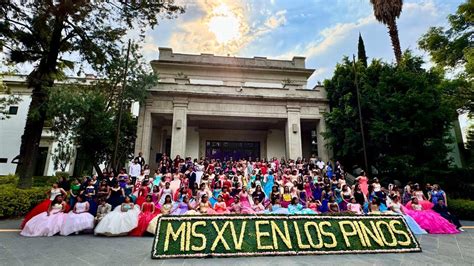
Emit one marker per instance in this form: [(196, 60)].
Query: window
[(3, 160), (13, 110)]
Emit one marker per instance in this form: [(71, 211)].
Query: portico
[(218, 106)]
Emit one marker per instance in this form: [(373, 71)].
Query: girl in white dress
[(47, 223), (78, 219), (122, 220), (165, 192)]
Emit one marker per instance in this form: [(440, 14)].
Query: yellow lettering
[(220, 236), (345, 233), (298, 237), (310, 238), (374, 235), (361, 236), (238, 244), (284, 237), (393, 243), (324, 233), (175, 235), (260, 234), (198, 235), (188, 235), (400, 232)]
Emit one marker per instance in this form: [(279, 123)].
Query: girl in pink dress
[(354, 207), (220, 207), (244, 198), (47, 223), (258, 207), (430, 220), (313, 204), (418, 194), (44, 205), (362, 179)]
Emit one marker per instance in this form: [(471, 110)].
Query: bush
[(9, 179), (16, 202), (462, 208)]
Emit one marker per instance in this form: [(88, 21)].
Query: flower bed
[(247, 235)]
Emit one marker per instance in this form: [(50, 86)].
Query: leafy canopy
[(89, 112), (404, 116)]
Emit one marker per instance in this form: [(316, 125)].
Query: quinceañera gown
[(414, 226), (119, 222), (145, 218), (431, 221), (76, 222), (42, 207), (44, 225)]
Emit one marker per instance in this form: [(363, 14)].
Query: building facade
[(12, 128), (223, 107)]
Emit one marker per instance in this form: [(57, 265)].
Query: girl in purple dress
[(182, 207)]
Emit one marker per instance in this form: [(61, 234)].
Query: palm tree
[(387, 12)]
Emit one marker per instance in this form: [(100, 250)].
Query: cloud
[(277, 20), (333, 42), (225, 27)]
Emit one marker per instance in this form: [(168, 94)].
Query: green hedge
[(462, 208), (9, 179), (15, 202)]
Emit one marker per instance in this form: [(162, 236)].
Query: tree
[(7, 98), (89, 112), (44, 33), (361, 55), (387, 12), (452, 49), (405, 117), (63, 153)]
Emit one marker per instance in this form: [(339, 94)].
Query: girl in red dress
[(143, 193), (148, 212)]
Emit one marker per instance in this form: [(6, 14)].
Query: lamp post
[(117, 137), (360, 114)]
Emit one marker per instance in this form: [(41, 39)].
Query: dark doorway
[(224, 150), (41, 161)]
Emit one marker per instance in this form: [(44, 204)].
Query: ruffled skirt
[(118, 223), (44, 225), (77, 222)]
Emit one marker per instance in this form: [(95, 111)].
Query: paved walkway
[(89, 250)]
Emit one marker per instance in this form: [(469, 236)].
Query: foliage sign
[(225, 236)]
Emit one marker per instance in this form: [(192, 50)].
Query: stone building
[(222, 107)]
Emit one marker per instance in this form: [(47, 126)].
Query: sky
[(323, 31)]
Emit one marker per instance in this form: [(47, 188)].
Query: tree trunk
[(393, 32), (100, 175), (39, 80), (31, 138)]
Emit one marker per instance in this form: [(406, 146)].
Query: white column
[(140, 122), (293, 133), (323, 151), (146, 137), (179, 128)]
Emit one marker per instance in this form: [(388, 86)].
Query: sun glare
[(224, 24)]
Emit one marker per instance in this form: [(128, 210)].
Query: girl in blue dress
[(297, 208), (89, 195), (437, 194), (269, 184), (215, 193), (326, 195)]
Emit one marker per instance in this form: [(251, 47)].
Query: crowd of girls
[(129, 204)]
